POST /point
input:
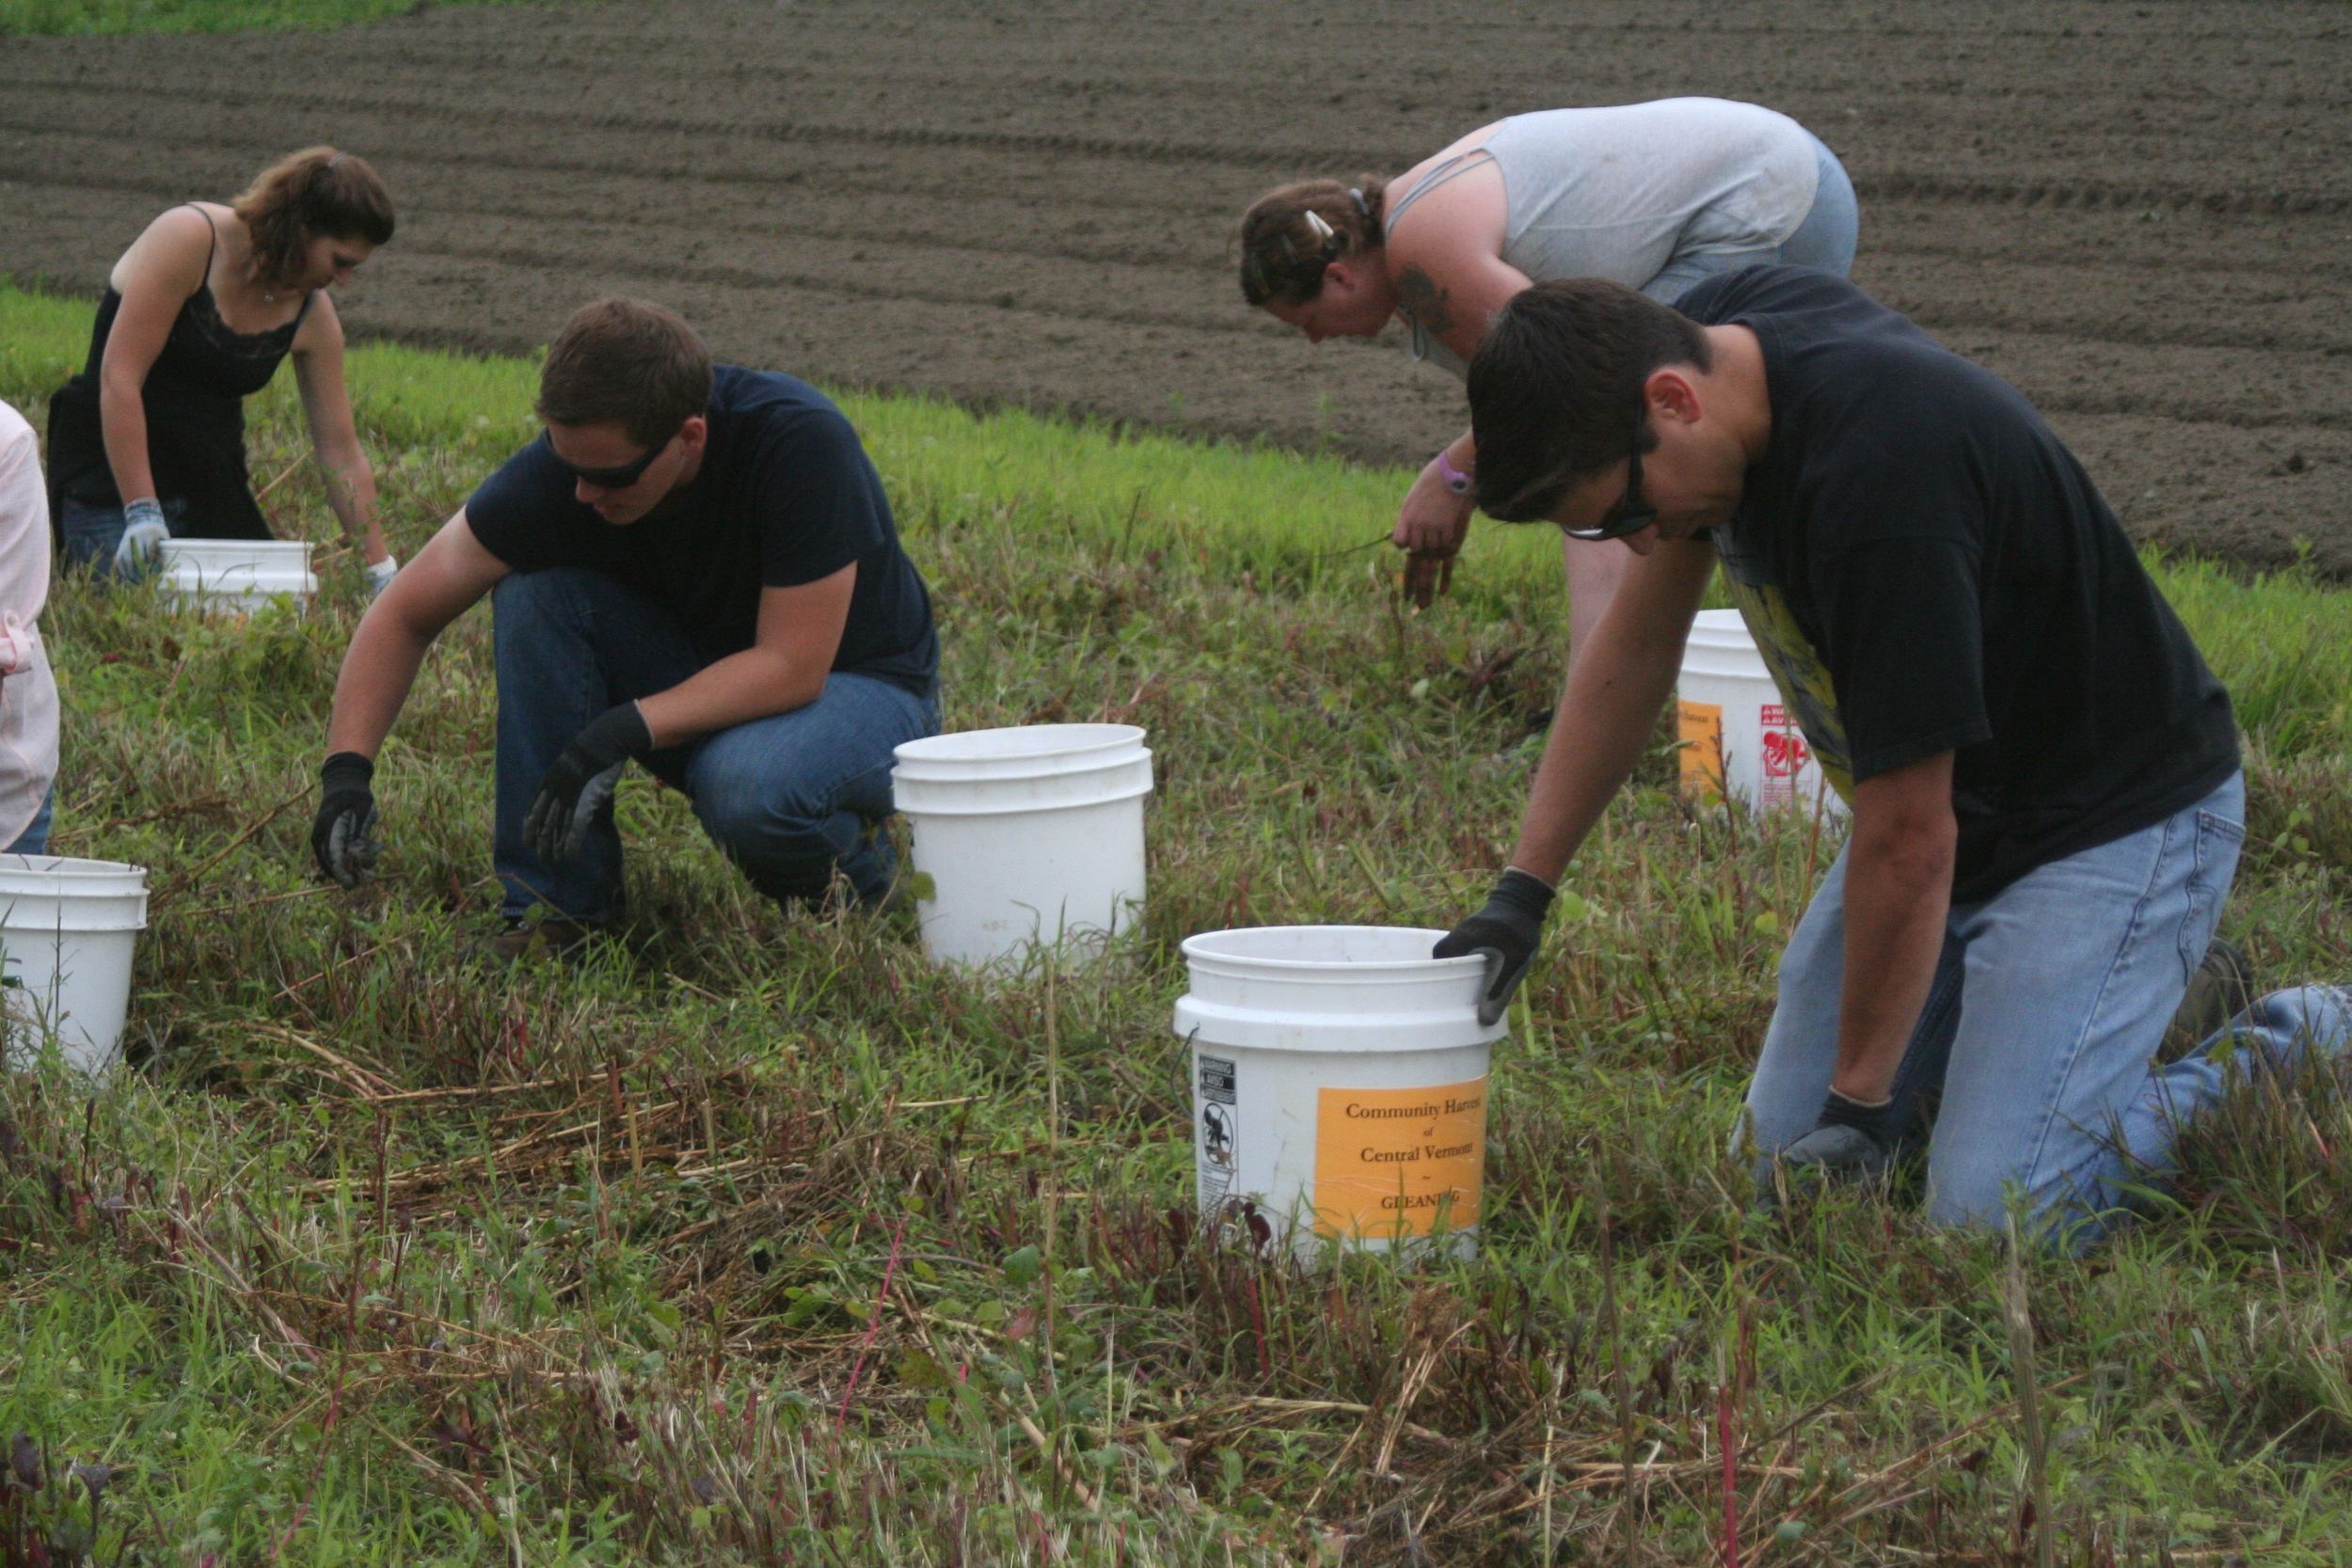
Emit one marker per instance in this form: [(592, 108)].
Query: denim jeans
[(2039, 1027), (34, 840), (1825, 239), (91, 534), (792, 798)]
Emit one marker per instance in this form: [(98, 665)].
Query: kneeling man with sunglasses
[(693, 567), (2048, 803)]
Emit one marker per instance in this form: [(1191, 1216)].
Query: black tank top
[(195, 397)]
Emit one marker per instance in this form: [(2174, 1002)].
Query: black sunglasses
[(624, 476), (1631, 514)]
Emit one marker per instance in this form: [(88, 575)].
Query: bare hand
[(1426, 577), (1430, 527)]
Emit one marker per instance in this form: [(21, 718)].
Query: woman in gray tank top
[(1654, 196)]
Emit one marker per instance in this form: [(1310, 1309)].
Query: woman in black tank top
[(149, 439)]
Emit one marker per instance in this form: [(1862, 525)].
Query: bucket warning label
[(1390, 1162), (1786, 755), (1215, 1148), (1217, 1080), (1700, 728)]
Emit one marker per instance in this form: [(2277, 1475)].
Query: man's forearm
[(1597, 731), (378, 669), (1898, 880), (757, 683), (1610, 700)]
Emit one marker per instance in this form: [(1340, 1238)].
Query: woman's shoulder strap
[(1461, 163), (210, 229)]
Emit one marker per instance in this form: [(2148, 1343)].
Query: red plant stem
[(890, 1272), (1728, 1436)]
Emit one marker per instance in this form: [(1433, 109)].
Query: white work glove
[(380, 576), (143, 535)]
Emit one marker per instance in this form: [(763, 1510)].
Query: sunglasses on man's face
[(1631, 515), (622, 477)]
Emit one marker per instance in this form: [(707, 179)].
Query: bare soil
[(2139, 213)]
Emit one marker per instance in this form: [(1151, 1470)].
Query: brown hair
[(1293, 233), (628, 362), (1556, 389), (313, 194)]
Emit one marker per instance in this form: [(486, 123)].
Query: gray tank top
[(1619, 193)]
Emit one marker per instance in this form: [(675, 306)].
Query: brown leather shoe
[(2222, 987), (553, 937)]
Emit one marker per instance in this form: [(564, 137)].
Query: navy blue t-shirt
[(784, 496), (1927, 569)]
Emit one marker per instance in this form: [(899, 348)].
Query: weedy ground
[(753, 1239)]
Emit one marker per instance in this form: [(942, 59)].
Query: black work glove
[(1506, 932), (581, 780), (1850, 1141), (344, 836)]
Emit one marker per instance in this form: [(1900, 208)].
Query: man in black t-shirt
[(2043, 774), (693, 567)]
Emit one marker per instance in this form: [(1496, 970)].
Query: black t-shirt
[(1927, 569), (786, 495)]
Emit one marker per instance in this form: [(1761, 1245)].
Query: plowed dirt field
[(2139, 213)]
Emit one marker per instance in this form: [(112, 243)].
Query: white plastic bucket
[(1027, 834), (1736, 732), (238, 576), (69, 928), (1339, 1083)]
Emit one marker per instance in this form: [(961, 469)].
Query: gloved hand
[(380, 576), (143, 535), (344, 836), (581, 780), (1505, 931), (1853, 1140)]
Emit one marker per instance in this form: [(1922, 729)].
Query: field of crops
[(2136, 210)]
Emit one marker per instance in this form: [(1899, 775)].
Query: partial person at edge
[(29, 693)]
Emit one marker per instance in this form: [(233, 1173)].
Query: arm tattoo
[(1423, 300)]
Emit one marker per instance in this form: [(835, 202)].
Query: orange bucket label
[(1700, 728), (1388, 1161)]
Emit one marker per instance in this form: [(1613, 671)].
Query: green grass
[(198, 16), (382, 1258)]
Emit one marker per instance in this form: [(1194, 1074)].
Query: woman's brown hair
[(1293, 233), (317, 193)]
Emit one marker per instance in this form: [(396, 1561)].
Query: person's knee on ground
[(787, 842), (2074, 1204)]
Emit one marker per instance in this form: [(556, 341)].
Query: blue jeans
[(34, 840), (1825, 239), (791, 798), (2050, 1001), (91, 534)]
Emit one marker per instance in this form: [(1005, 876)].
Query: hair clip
[(1323, 231), (1362, 205)]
